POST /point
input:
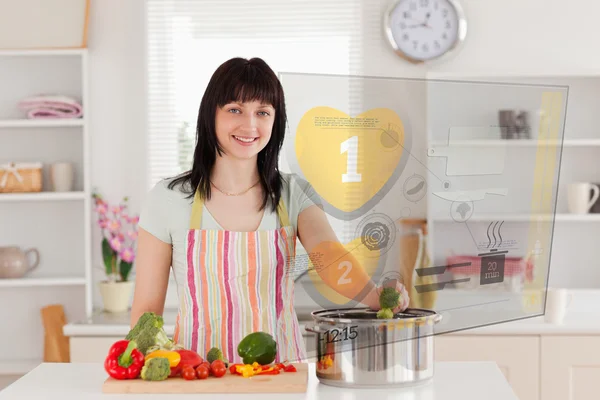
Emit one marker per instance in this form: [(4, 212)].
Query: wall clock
[(420, 31)]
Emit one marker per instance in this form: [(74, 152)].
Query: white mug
[(61, 176), (579, 197), (557, 302)]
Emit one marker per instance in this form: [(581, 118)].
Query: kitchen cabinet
[(518, 357), (570, 367)]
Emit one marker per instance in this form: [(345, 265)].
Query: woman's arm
[(153, 262), (338, 268)]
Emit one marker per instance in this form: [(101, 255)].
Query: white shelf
[(527, 218), (30, 282), (41, 123), (519, 143), (42, 52), (42, 196), (17, 367)]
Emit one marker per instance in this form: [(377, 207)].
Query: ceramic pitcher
[(14, 262)]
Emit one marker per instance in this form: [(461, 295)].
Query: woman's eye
[(234, 110), (266, 113)]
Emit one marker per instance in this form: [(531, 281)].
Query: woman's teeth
[(245, 139)]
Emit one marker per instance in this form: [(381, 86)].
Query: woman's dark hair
[(237, 80)]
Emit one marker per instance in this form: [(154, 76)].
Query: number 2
[(343, 280), (350, 146)]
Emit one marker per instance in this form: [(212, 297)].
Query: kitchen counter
[(452, 381), (583, 317)]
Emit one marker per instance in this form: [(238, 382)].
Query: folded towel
[(51, 106)]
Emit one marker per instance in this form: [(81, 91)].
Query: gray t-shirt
[(166, 214)]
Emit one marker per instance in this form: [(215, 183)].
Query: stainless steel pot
[(355, 349)]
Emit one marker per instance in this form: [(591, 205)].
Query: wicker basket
[(20, 177)]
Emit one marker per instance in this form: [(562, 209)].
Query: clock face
[(424, 29)]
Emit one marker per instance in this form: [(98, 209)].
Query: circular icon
[(377, 233), (415, 188), (462, 209), (446, 185), (390, 276), (391, 136)]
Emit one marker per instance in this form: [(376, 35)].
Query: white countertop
[(582, 318), (452, 381)]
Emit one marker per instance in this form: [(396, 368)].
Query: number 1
[(350, 146)]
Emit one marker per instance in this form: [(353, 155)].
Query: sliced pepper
[(290, 368), (173, 356), (233, 368), (268, 371)]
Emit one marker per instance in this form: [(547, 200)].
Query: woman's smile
[(245, 140)]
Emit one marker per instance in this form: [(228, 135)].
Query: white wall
[(505, 36), (117, 106)]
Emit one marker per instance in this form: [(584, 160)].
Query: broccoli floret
[(389, 298), (385, 313), (148, 333), (156, 369), (215, 354)]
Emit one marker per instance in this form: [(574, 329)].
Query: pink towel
[(51, 107)]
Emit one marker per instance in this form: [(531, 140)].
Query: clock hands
[(423, 24)]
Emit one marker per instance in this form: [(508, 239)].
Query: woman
[(228, 227)]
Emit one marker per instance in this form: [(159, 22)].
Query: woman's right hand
[(371, 300)]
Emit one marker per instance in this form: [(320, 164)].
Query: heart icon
[(351, 162)]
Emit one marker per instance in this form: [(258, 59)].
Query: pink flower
[(127, 254), (114, 225), (132, 235), (101, 209), (117, 210), (102, 223), (121, 237), (135, 220), (116, 244)]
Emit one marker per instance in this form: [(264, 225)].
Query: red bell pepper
[(124, 360), (188, 357)]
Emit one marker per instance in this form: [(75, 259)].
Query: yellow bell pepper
[(173, 356)]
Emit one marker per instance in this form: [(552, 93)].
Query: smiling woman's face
[(244, 129)]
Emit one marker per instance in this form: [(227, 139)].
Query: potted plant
[(119, 237)]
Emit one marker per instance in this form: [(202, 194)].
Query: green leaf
[(124, 269), (107, 254)]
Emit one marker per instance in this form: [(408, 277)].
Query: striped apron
[(238, 283)]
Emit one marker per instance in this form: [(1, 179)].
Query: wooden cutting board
[(285, 382)]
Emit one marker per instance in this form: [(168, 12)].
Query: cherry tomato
[(202, 371), (188, 373), (218, 368), (207, 365)]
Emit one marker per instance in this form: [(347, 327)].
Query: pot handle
[(33, 265)]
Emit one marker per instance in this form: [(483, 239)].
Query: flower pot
[(116, 295)]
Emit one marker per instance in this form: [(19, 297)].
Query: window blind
[(188, 40)]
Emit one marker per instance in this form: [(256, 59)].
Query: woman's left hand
[(372, 299)]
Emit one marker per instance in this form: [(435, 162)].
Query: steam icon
[(496, 234)]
